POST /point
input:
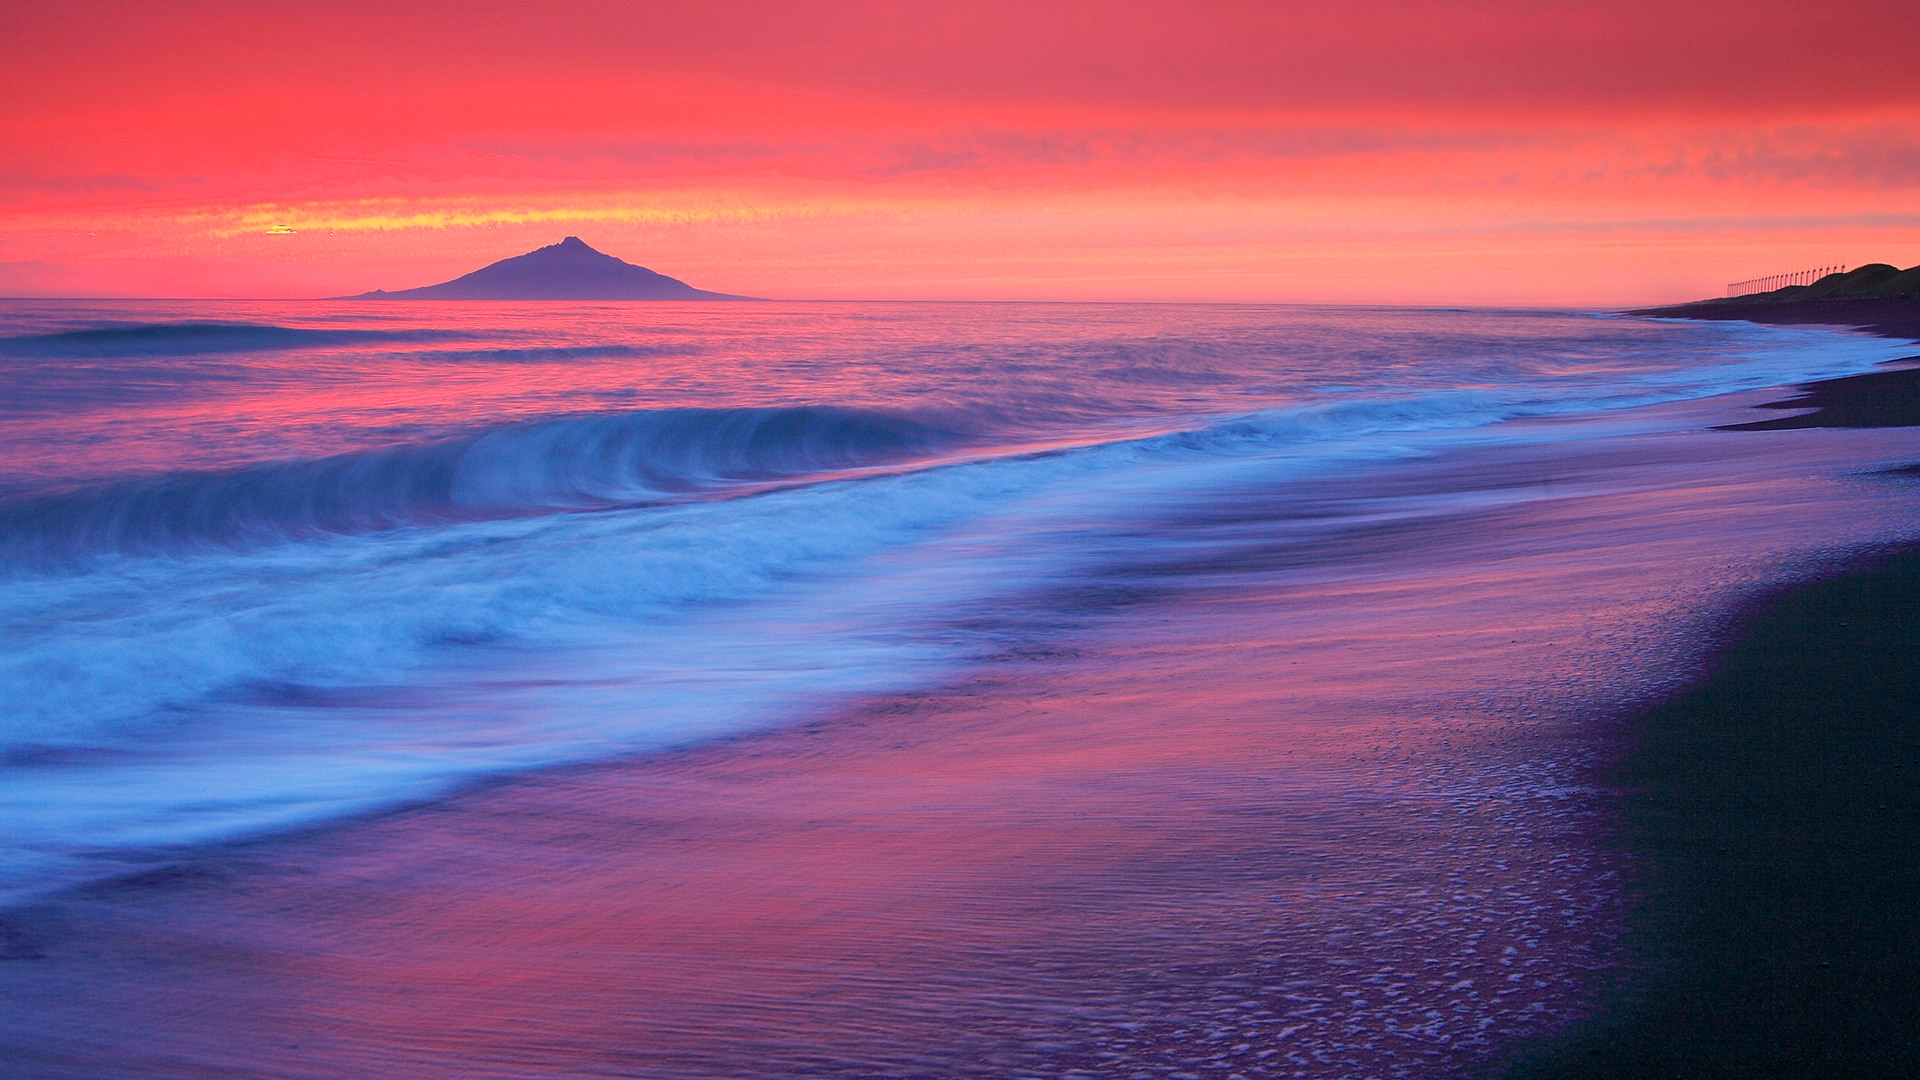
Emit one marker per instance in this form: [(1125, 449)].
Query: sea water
[(270, 566)]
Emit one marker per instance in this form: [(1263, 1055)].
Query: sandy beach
[(989, 541), (1779, 802), (1272, 770)]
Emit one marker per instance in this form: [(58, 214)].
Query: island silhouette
[(568, 270)]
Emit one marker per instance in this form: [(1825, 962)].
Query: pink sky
[(1379, 152)]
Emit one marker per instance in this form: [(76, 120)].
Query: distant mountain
[(568, 270)]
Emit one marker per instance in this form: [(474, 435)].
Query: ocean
[(858, 689)]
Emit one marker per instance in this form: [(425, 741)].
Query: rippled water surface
[(854, 689)]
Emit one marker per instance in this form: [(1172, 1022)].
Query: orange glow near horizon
[(1385, 152)]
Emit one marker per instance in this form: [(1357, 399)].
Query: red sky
[(1372, 152)]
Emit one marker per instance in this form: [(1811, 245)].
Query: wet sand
[(1253, 811), (1778, 806), (1208, 848), (1877, 399)]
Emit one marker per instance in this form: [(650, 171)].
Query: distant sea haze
[(948, 690)]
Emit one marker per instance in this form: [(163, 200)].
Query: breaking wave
[(200, 338), (522, 469)]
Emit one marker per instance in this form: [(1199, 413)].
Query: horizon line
[(732, 300)]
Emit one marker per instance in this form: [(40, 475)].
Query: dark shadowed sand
[(1778, 804), (1878, 399), (1216, 821), (1336, 822)]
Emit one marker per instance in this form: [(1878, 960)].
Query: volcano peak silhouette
[(568, 270)]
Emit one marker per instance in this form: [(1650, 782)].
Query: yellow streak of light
[(401, 215)]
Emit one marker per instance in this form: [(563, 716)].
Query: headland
[(1877, 297), (1774, 806)]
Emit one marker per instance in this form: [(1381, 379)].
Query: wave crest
[(200, 338), (517, 470)]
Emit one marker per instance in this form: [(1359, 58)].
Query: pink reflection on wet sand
[(1251, 811)]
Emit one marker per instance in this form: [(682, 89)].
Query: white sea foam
[(196, 656)]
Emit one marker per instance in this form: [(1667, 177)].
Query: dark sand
[(1777, 806), (1151, 859), (1877, 399), (1336, 821)]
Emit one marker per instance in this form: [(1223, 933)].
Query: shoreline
[(1210, 788), (1893, 317), (1776, 806)]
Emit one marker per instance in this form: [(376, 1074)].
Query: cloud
[(956, 132)]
